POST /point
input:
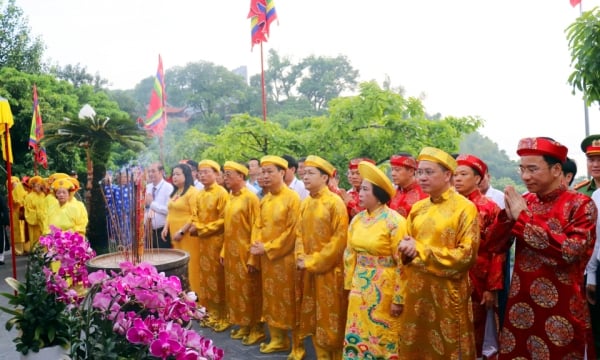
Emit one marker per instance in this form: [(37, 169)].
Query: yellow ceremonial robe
[(181, 211), (371, 273), (437, 321), (36, 217), (209, 220), (321, 240), (276, 229), (243, 294), (18, 200), (70, 216)]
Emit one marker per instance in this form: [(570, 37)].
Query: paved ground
[(234, 350)]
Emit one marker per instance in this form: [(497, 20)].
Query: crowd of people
[(38, 204), (415, 265)]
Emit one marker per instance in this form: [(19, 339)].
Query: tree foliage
[(584, 43), (375, 123), (17, 48), (499, 164)]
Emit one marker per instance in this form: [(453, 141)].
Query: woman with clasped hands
[(372, 271), (181, 210)]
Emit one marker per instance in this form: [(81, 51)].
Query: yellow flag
[(6, 118)]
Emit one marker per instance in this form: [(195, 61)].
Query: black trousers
[(158, 242)]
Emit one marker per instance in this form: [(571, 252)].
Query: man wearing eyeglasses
[(436, 320), (555, 229), (158, 191)]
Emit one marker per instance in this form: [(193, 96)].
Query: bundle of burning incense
[(125, 213)]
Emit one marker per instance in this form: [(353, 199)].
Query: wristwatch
[(181, 232)]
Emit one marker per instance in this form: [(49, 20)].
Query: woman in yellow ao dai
[(372, 271), (181, 212)]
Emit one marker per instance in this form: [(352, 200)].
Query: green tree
[(96, 134), (584, 36), (214, 93), (378, 123), (17, 48), (78, 76), (246, 137), (281, 77), (498, 162), (57, 99), (328, 78)]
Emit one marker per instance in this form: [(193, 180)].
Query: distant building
[(242, 71)]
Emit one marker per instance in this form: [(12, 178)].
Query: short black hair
[(551, 160), (193, 164), (381, 194), (569, 167), (292, 163)]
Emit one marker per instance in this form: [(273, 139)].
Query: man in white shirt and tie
[(158, 192), (290, 177)]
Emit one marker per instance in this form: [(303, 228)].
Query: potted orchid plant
[(40, 318), (55, 278), (139, 313), (136, 313)]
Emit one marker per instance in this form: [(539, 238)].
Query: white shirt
[(497, 196), (253, 186), (298, 186), (198, 185), (592, 265), (157, 213)]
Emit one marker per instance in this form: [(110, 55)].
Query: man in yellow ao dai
[(243, 293), (320, 244), (436, 321), (273, 238), (208, 226)]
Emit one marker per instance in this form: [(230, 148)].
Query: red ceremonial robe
[(547, 314)]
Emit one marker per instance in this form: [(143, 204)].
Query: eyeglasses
[(426, 172), (529, 170)]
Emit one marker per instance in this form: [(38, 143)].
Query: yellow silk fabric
[(321, 240), (36, 215), (372, 271), (181, 211), (276, 229), (18, 199), (210, 217), (71, 216), (243, 293), (437, 321)]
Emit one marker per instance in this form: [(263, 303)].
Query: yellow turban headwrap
[(320, 163), (232, 165), (438, 156), (35, 180), (209, 164), (274, 160), (372, 174), (63, 184)]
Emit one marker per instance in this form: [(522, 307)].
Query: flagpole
[(35, 169), (262, 80), (10, 201)]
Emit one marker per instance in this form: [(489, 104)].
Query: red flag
[(262, 13), (36, 133), (575, 2), (156, 118)]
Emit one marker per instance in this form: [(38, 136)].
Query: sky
[(504, 61)]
